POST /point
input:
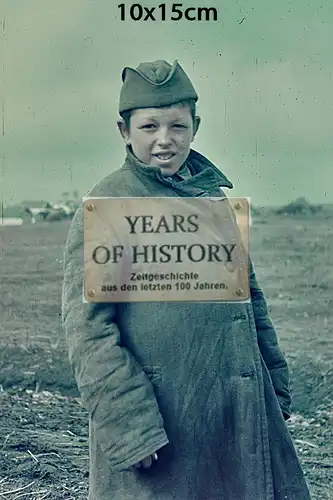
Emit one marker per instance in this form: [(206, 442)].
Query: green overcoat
[(205, 384)]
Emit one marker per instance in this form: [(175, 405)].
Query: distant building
[(14, 215), (33, 211), (11, 221), (37, 210)]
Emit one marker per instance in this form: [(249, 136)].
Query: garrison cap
[(154, 84)]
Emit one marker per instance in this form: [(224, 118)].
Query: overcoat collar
[(204, 173)]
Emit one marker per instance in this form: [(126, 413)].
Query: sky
[(263, 72)]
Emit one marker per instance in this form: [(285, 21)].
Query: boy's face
[(161, 136)]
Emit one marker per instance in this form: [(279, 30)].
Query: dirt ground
[(43, 427)]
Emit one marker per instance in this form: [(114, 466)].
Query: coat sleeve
[(119, 397), (269, 347)]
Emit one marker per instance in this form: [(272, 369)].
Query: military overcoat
[(206, 384)]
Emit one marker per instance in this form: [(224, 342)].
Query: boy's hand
[(147, 462)]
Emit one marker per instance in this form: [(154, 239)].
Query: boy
[(186, 401)]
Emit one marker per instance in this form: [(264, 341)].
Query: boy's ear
[(196, 124), (124, 132)]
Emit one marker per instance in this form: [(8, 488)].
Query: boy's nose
[(163, 137)]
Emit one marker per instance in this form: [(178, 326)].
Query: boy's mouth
[(164, 156)]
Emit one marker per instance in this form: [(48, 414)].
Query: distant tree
[(65, 196), (75, 194), (299, 206)]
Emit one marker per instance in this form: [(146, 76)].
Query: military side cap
[(154, 84)]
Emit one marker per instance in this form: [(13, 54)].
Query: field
[(43, 427)]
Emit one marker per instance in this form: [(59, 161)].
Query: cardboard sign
[(166, 249)]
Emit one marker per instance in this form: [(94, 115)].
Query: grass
[(294, 264)]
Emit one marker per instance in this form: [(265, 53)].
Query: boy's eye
[(148, 125)]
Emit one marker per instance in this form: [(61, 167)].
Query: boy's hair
[(126, 115)]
